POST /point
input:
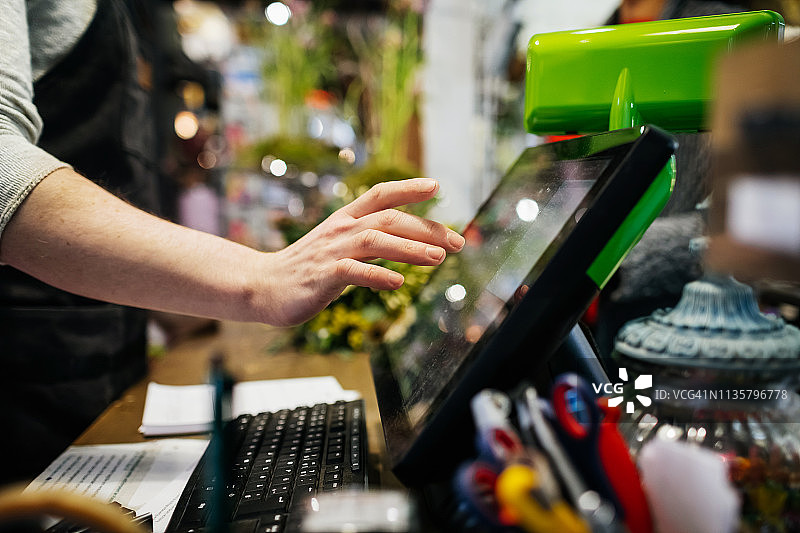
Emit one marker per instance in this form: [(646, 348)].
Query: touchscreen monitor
[(463, 331)]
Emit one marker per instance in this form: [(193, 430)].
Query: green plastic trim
[(633, 227), (624, 113), (572, 76)]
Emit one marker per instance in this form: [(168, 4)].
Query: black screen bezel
[(540, 321)]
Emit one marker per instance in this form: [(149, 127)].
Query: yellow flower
[(355, 339)]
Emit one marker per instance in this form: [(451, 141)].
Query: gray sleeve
[(22, 163)]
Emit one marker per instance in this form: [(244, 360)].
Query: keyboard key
[(336, 448), (286, 455), (196, 515), (257, 486), (332, 476), (277, 502), (331, 486), (260, 477), (308, 479), (285, 471), (286, 463), (280, 480), (275, 518), (335, 457), (279, 489), (251, 496), (305, 490)]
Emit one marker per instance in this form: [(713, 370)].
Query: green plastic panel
[(573, 76), (633, 227)]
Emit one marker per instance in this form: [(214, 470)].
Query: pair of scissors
[(587, 429), (525, 501), (537, 433)]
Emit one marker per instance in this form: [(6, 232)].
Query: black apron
[(64, 358)]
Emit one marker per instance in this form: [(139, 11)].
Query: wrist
[(260, 292)]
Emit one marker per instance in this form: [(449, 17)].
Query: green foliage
[(296, 61), (303, 152), (375, 71), (389, 57), (357, 320)]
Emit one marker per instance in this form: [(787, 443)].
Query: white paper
[(102, 472), (253, 397), (146, 477), (172, 410), (159, 491), (765, 212)]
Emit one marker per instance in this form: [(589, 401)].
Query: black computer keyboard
[(274, 464)]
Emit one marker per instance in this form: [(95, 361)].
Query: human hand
[(306, 276)]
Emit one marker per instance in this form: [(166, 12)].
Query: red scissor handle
[(622, 472)]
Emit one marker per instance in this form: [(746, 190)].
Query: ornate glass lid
[(717, 328)]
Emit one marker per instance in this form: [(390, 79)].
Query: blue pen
[(222, 384), (577, 419)]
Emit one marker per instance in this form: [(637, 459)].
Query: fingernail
[(455, 240), (427, 185), (435, 253), (395, 278)]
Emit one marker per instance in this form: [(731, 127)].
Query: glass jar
[(716, 372)]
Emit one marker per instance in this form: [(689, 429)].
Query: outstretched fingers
[(373, 244), (401, 224), (391, 194), (352, 272)]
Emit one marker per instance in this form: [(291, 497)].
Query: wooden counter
[(245, 347)]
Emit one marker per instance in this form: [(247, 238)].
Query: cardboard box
[(754, 219)]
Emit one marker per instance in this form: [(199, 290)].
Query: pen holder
[(722, 375)]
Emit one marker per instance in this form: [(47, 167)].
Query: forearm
[(74, 235)]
